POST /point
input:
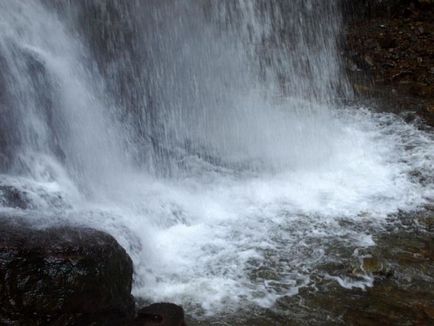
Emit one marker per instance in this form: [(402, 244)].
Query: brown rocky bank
[(389, 51)]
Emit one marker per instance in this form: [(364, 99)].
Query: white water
[(203, 239), (289, 176), (210, 234)]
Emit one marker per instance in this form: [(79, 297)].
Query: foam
[(207, 236), (218, 239)]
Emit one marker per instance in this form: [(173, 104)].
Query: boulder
[(62, 276)]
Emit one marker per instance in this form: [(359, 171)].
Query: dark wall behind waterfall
[(178, 78)]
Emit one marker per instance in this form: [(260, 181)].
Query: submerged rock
[(372, 265), (163, 314), (62, 276), (13, 198)]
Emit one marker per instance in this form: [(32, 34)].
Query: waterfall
[(53, 106), (211, 138), (180, 94)]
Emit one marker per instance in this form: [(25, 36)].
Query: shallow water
[(402, 291)]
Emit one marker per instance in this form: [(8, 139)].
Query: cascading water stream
[(207, 136)]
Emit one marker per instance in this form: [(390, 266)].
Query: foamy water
[(221, 238), (212, 150), (230, 227)]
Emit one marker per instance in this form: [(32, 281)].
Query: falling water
[(210, 138)]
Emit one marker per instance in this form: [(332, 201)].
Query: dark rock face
[(63, 276)]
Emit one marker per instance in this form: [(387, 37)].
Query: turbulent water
[(210, 138)]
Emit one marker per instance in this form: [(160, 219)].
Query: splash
[(206, 136)]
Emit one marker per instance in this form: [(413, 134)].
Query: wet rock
[(362, 89), (163, 314), (369, 61), (428, 222), (372, 265), (62, 276), (12, 197), (393, 41), (387, 41), (29, 195), (427, 114), (429, 311)]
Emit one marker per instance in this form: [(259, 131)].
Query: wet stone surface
[(62, 276), (389, 47)]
